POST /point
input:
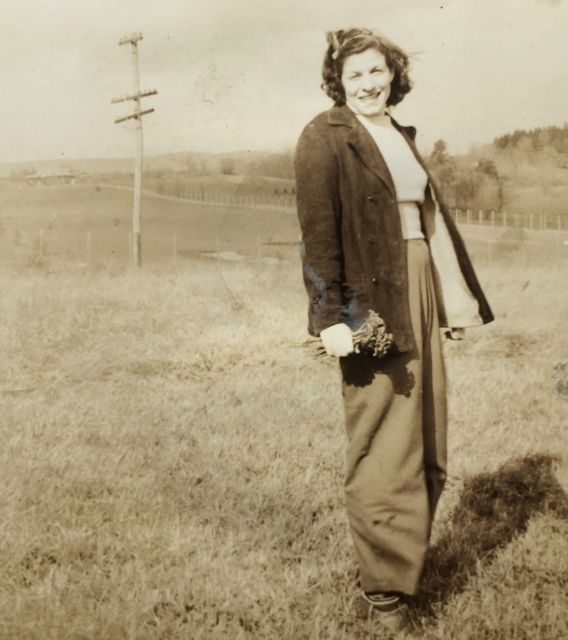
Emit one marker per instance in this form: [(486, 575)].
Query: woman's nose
[(368, 84)]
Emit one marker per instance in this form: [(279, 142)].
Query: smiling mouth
[(370, 97)]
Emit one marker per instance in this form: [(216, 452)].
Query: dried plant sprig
[(372, 336)]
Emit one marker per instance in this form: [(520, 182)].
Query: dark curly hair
[(346, 43)]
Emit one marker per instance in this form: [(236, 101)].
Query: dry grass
[(172, 464)]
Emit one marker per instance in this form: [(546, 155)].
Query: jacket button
[(370, 197), (374, 280)]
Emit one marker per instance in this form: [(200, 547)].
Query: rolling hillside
[(90, 224), (75, 216)]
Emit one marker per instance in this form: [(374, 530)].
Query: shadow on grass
[(493, 509)]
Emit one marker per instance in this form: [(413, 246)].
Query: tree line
[(465, 184), (539, 139)]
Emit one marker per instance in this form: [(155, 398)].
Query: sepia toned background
[(238, 76), (172, 446)]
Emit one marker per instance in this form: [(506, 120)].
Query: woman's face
[(366, 80)]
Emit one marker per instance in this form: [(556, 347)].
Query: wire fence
[(532, 221), (272, 200), (286, 198), (261, 233)]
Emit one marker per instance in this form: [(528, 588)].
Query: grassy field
[(172, 459), (88, 223), (89, 226)]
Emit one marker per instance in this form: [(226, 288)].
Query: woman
[(377, 237)]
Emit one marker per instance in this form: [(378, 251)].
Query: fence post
[(468, 216), (457, 216), (480, 216), (558, 222), (258, 247), (129, 246), (504, 218), (492, 218), (89, 236)]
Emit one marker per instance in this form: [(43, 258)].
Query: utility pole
[(133, 40)]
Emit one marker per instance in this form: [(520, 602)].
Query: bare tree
[(228, 166)]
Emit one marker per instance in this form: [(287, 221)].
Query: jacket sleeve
[(319, 214)]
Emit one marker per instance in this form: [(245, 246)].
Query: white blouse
[(409, 177)]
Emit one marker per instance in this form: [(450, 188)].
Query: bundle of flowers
[(371, 338)]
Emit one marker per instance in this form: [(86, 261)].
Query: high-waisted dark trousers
[(396, 418)]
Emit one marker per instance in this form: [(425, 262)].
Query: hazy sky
[(245, 74)]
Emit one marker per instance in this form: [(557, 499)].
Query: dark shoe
[(387, 608)]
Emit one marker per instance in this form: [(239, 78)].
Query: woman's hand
[(455, 333), (337, 340)]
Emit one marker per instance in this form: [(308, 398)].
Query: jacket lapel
[(361, 142)]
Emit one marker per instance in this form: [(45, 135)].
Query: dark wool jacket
[(353, 253)]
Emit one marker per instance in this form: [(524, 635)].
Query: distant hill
[(525, 171), (196, 162)]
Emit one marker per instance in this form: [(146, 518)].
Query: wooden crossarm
[(136, 96), (134, 116)]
